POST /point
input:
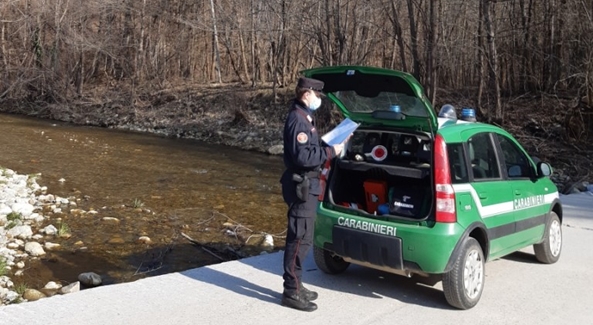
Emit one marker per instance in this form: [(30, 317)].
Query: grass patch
[(3, 265), (137, 203), (63, 230), (14, 216), (20, 288), (12, 220)]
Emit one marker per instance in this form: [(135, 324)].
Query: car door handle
[(517, 193), (483, 196)]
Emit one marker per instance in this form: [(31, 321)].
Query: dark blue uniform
[(303, 153)]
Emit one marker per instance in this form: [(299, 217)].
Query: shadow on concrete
[(356, 281), (522, 257), (234, 283)]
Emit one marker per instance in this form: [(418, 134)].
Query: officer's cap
[(309, 83)]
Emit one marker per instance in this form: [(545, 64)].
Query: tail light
[(445, 195), (323, 179)]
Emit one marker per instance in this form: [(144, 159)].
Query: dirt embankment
[(555, 130)]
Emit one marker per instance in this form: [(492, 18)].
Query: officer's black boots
[(298, 301), (309, 295)]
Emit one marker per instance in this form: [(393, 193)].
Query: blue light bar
[(468, 114)]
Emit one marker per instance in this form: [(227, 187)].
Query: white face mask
[(314, 103)]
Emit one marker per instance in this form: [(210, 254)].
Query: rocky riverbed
[(30, 222)]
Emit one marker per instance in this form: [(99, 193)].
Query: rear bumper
[(389, 244), (376, 249)]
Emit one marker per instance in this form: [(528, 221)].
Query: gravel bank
[(27, 217)]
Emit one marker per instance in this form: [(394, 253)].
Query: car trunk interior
[(384, 173)]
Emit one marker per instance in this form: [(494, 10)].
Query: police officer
[(303, 157)]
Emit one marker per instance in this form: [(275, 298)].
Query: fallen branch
[(197, 243)]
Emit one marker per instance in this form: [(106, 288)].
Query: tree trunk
[(216, 49), (492, 58), (414, 40), (3, 47), (431, 69), (397, 29)]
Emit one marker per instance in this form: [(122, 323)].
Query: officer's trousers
[(299, 239)]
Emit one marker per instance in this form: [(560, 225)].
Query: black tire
[(328, 262), (463, 285), (548, 251)]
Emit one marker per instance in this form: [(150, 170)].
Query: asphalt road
[(518, 290)]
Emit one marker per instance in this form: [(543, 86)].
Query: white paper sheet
[(340, 132)]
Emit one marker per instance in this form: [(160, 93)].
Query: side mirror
[(544, 169)]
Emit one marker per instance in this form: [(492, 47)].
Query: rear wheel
[(463, 285), (328, 262), (548, 251)]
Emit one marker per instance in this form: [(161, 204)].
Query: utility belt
[(302, 180)]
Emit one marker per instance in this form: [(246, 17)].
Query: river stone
[(49, 230), (25, 209), (46, 198), (111, 219), (72, 287), (268, 241), (49, 292), (90, 279), (11, 296), (116, 240), (34, 249), (51, 288), (12, 245), (49, 246), (144, 240), (276, 150), (5, 209), (5, 282), (32, 295), (34, 216), (23, 232), (77, 211), (51, 285)]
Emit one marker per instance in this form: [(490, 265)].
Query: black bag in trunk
[(405, 201)]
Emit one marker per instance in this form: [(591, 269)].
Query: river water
[(155, 187)]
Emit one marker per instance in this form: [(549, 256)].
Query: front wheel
[(548, 251), (328, 262), (463, 285)]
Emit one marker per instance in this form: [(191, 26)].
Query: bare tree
[(492, 55)]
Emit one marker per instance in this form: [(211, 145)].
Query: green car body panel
[(503, 213)]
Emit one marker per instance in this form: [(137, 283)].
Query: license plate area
[(368, 247)]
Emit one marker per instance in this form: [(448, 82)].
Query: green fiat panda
[(427, 195)]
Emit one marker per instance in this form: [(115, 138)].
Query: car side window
[(457, 164), (482, 157), (515, 161)]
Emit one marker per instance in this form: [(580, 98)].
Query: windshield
[(382, 101)]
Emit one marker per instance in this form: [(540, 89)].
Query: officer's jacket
[(302, 148)]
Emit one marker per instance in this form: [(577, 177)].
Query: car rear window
[(457, 163), (381, 101)]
